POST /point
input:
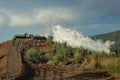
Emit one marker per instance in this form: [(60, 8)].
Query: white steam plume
[(76, 39)]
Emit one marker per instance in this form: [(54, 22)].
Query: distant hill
[(112, 36)]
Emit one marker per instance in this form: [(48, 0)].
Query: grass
[(49, 55), (77, 54), (94, 59), (113, 64), (61, 53)]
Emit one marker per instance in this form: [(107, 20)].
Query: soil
[(66, 72), (69, 72), (4, 49), (40, 45)]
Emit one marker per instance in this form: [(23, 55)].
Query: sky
[(90, 17)]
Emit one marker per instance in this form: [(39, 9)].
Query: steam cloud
[(76, 39)]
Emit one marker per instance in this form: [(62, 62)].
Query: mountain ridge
[(111, 36)]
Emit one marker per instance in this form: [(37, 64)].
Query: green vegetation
[(61, 54), (49, 39), (103, 60), (49, 55), (95, 58), (33, 55), (77, 54), (113, 64)]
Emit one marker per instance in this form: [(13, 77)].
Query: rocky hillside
[(3, 52), (4, 47)]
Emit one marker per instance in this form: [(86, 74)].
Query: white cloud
[(39, 16)]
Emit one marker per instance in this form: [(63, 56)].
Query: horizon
[(39, 16)]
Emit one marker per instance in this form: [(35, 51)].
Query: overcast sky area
[(90, 17)]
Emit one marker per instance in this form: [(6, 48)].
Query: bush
[(48, 55), (33, 55), (59, 58), (60, 53), (77, 55), (56, 59)]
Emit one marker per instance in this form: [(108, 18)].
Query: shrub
[(77, 55), (60, 54), (59, 58), (48, 55), (32, 55), (61, 50), (56, 59)]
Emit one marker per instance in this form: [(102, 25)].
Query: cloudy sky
[(90, 17)]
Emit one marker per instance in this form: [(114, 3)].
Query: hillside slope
[(113, 36), (4, 46)]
